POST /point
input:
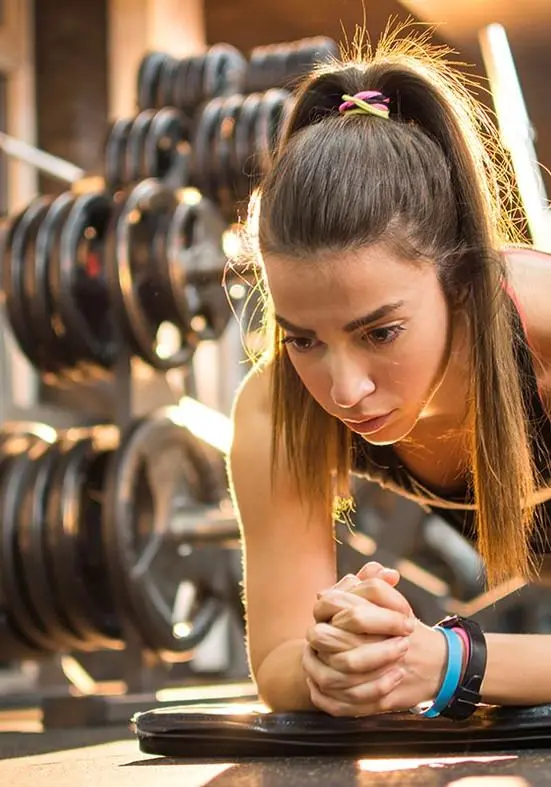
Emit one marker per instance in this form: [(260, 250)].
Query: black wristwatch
[(467, 697)]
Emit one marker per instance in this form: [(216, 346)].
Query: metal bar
[(516, 131), (45, 162)]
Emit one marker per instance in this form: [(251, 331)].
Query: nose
[(350, 383)]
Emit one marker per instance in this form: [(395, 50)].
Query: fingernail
[(402, 645), (348, 579), (387, 571)]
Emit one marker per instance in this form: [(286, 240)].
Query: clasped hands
[(367, 653)]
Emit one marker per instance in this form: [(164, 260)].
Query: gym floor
[(106, 756)]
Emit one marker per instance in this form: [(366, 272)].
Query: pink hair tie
[(367, 102)]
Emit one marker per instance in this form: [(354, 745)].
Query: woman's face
[(368, 335)]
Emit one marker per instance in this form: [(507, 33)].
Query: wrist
[(427, 660), (437, 654)]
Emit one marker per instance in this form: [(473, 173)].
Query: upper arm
[(529, 272), (288, 546)]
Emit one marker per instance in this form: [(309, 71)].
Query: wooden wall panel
[(245, 23), (71, 82)]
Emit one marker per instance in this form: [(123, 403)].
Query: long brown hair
[(439, 197)]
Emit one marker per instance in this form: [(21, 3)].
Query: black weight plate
[(223, 158), (115, 153), (63, 532), (194, 81), (52, 541), (310, 52), (180, 90), (277, 67), (159, 471), (55, 352), (225, 71), (149, 74), (14, 645), (8, 234), (91, 548), (271, 115), (34, 560), (166, 139), (22, 273), (196, 262), (83, 297), (135, 146), (24, 229), (48, 273), (244, 147), (141, 298), (167, 83), (16, 482), (203, 138), (256, 79)]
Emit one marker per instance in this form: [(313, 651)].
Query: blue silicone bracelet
[(452, 676)]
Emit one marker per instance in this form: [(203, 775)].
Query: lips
[(369, 425)]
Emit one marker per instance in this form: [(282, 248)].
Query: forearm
[(281, 680), (518, 671)]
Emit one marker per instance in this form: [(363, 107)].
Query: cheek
[(411, 370), (314, 376)]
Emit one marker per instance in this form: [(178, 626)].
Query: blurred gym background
[(132, 133)]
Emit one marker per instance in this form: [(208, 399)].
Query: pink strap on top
[(466, 645)]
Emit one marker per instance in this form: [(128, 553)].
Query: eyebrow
[(361, 322)]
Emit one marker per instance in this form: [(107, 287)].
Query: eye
[(384, 335), (299, 343)]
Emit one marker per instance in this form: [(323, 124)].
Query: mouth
[(370, 425)]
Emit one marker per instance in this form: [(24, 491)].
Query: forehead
[(347, 282)]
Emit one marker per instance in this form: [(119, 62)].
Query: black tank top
[(382, 465)]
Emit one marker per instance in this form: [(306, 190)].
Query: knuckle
[(371, 585), (329, 681), (310, 634), (341, 661), (336, 682), (350, 661), (321, 680), (356, 694), (380, 688)]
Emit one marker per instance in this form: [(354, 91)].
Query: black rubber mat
[(216, 731)]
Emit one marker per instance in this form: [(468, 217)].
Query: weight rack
[(119, 401)]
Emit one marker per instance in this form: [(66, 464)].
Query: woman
[(408, 345)]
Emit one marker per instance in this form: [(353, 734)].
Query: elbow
[(282, 690)]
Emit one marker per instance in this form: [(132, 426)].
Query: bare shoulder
[(253, 398), (530, 278)]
